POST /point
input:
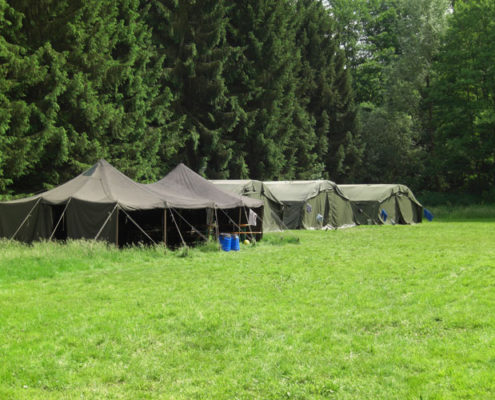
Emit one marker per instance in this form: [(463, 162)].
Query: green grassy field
[(378, 312)]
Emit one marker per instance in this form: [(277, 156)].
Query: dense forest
[(352, 90)]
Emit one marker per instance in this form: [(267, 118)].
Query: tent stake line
[(106, 221), (187, 222), (178, 230), (25, 219), (135, 223)]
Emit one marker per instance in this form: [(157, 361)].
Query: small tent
[(312, 204), (101, 203), (232, 210), (272, 213), (383, 204)]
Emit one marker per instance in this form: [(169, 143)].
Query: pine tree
[(97, 95), (191, 36), (326, 82), (31, 81), (263, 80)]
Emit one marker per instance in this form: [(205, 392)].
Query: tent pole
[(117, 229), (253, 238), (217, 228), (165, 227), (240, 220)]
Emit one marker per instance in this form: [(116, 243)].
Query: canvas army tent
[(272, 213), (312, 204), (100, 203), (185, 181), (234, 207), (397, 202)]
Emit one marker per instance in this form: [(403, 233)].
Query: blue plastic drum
[(225, 241), (234, 244)]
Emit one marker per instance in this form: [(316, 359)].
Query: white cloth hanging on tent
[(252, 218)]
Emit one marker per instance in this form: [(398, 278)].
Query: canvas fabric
[(89, 199), (185, 181), (398, 201), (321, 196), (272, 210)]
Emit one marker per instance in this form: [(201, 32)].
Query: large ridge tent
[(272, 213), (101, 203), (312, 204), (232, 210), (383, 204)]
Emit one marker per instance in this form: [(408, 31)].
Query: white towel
[(252, 218)]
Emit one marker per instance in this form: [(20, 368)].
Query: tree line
[(350, 90)]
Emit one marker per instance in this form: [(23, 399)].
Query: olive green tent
[(234, 208), (312, 204), (103, 203), (383, 204), (272, 212)]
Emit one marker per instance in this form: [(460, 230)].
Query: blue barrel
[(225, 241), (234, 244)]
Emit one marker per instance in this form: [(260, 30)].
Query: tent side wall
[(410, 211), (366, 212), (272, 216), (85, 219), (292, 214), (391, 208), (340, 212), (310, 210), (37, 226)]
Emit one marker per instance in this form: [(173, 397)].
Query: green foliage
[(263, 79), (351, 90), (462, 100), (92, 92), (325, 84), (192, 40), (390, 45), (375, 312)]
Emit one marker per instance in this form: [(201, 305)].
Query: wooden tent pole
[(117, 229), (240, 218), (165, 227), (217, 227)]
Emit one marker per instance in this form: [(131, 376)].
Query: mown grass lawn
[(379, 312)]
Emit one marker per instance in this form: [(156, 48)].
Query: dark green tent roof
[(376, 192), (187, 182), (104, 184)]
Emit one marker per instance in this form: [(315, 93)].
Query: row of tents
[(321, 204), (102, 203), (183, 208)]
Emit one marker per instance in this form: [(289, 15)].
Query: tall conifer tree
[(264, 80), (191, 35), (325, 82)]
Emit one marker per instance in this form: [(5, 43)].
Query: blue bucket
[(234, 244), (225, 241)]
